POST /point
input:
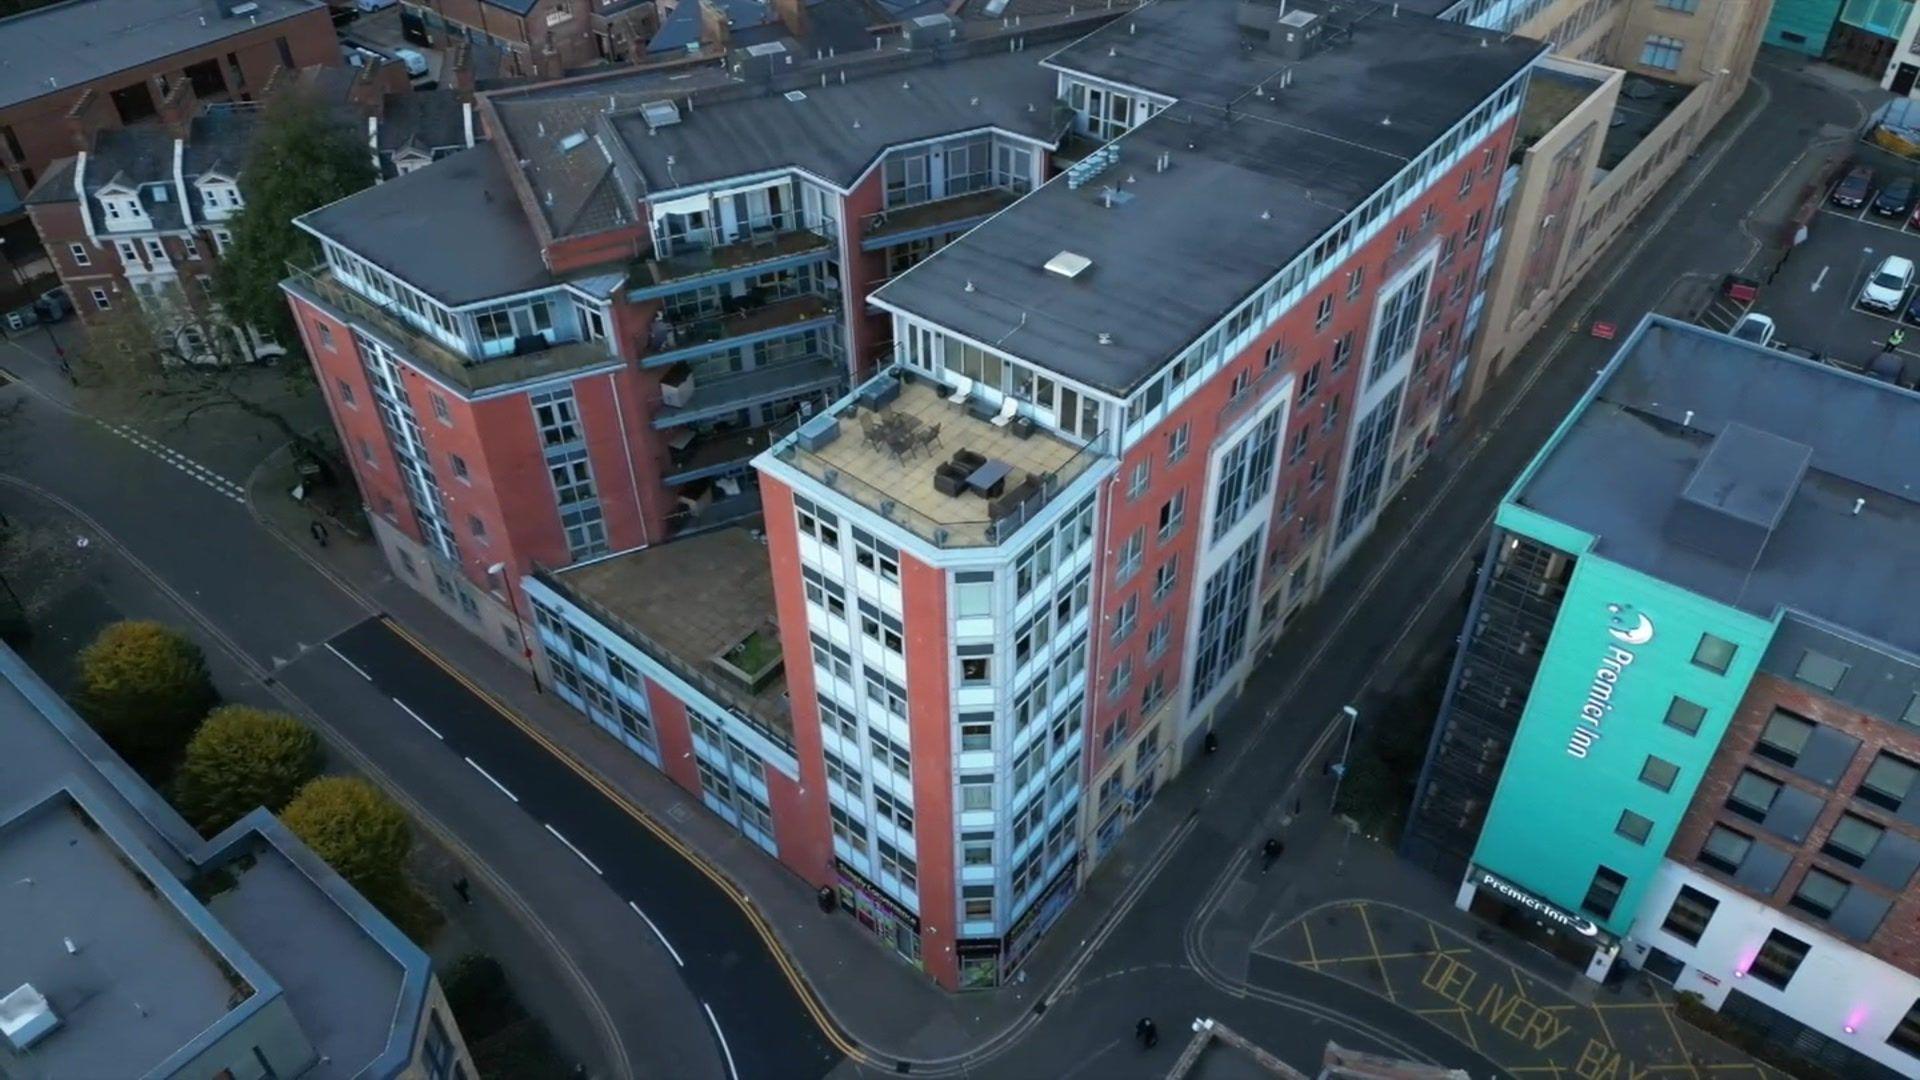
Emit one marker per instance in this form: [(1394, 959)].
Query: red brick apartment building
[(129, 55), (1060, 374)]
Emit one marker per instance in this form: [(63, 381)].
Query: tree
[(360, 832), (303, 156), (241, 758), (144, 686)]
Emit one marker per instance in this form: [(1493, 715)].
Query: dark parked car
[(1896, 199), (53, 305), (1912, 313), (1853, 188)]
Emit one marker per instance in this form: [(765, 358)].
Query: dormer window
[(122, 209), (219, 196)]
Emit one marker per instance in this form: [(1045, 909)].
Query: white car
[(1887, 286), (1754, 327)]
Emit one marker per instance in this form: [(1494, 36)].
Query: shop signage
[(1545, 909), (872, 892), (1629, 628)]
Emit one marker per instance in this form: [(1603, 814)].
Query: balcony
[(761, 252), (753, 320), (905, 224), (700, 454), (691, 400), (385, 321)]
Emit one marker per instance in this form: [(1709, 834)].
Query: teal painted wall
[(1553, 818), (1811, 20)]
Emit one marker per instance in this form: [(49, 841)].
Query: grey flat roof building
[(158, 953), (1253, 180), (1735, 471), (54, 48)]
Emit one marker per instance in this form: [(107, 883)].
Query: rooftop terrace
[(887, 452), (1734, 471), (690, 601), (1643, 103)]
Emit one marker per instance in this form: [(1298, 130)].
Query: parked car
[(53, 305), (1853, 188), (415, 60), (1895, 199), (1885, 367), (1886, 287), (1754, 327), (342, 16)]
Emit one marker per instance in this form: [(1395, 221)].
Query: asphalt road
[(716, 951)]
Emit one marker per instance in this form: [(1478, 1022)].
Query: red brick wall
[(1898, 939), (614, 245), (872, 332), (923, 591), (570, 40), (674, 737), (40, 124), (806, 837)]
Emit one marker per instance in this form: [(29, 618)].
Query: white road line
[(671, 951), (418, 720), (343, 659), (715, 1021), (1817, 282), (569, 843), (491, 780)]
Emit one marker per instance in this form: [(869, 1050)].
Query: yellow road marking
[(1466, 1021), (1680, 1043), (1385, 956), (801, 987), (1313, 958), (1607, 1031), (1375, 942)]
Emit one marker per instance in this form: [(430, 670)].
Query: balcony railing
[(904, 223), (697, 397), (680, 339), (759, 247), (386, 321)]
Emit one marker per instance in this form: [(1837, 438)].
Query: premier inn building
[(1682, 733)]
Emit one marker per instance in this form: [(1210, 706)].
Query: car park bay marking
[(1819, 280)]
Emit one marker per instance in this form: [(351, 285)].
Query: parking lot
[(1814, 298)]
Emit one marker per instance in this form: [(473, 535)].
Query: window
[(1158, 637), (554, 413), (1245, 475), (1142, 475), (1784, 737), (477, 527), (1714, 654), (1888, 783), (1356, 281), (1725, 849), (882, 628), (977, 734), (1165, 578), (1659, 773), (1906, 1034), (1604, 892), (1342, 352), (1301, 439), (345, 391), (817, 523), (977, 902), (846, 827), (885, 692), (1634, 826), (459, 468), (1685, 7), (100, 298), (888, 808), (976, 793), (1172, 513), (1819, 894), (1119, 679), (440, 412), (1818, 669), (893, 861), (436, 1050), (973, 599), (876, 556), (1325, 312), (1778, 959), (366, 450), (1310, 384), (1852, 839), (976, 849), (1910, 716), (1126, 619), (1131, 553), (1685, 715), (1178, 441), (1692, 910), (890, 754), (976, 669), (1473, 227), (189, 246), (1753, 795), (1466, 182), (1330, 413), (80, 256)]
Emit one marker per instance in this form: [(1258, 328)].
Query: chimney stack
[(456, 71), (178, 107), (92, 111), (793, 14), (715, 32)]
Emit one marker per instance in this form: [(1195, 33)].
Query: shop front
[(1040, 915), (1563, 934), (880, 914)]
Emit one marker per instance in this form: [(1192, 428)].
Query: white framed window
[(1662, 52), (189, 246), (100, 300), (80, 256)]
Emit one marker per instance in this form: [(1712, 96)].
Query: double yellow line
[(801, 987)]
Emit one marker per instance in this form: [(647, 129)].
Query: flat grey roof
[(1619, 470), (144, 981), (342, 986), (83, 40), (1245, 193), (453, 229)]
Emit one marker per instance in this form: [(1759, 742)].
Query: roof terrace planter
[(754, 660)]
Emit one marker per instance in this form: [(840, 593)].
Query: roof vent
[(659, 114), (573, 140), (1068, 265), (25, 1017), (245, 9), (796, 95), (766, 48)]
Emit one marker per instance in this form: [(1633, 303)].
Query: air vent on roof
[(766, 48), (659, 114), (1068, 265), (25, 1017), (796, 95), (572, 140), (246, 8), (926, 31)]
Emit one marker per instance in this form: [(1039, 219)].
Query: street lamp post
[(1340, 771), (519, 624)]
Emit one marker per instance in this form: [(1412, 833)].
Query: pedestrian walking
[(1271, 850), (463, 890), (319, 533), (1146, 1032)]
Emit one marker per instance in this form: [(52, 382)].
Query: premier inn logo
[(1582, 926), (1627, 626)]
